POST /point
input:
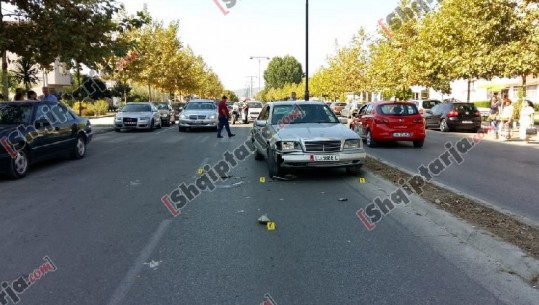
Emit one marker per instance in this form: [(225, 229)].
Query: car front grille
[(322, 146), (130, 121), (197, 117)]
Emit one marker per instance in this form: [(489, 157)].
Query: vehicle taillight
[(418, 121), (381, 121), (452, 113)]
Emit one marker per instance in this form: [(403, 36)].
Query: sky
[(264, 28)]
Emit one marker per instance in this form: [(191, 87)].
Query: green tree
[(231, 96), (282, 70), (25, 72)]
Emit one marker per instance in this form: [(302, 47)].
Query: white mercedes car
[(199, 113)]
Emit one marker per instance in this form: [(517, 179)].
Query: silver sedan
[(199, 113), (305, 135), (137, 116)]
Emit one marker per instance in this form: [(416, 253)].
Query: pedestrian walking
[(506, 117), (526, 120), (224, 116)]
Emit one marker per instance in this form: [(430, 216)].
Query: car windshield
[(201, 106), (254, 104), (15, 114), (137, 108), (397, 109), (430, 104), (301, 114), (162, 106)]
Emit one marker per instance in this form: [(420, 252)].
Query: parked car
[(422, 105), (167, 113), (199, 113), (31, 132), (350, 110), (138, 115), (254, 110), (337, 107), (453, 115), (389, 122), (292, 134)]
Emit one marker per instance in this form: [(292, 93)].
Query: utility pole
[(251, 84), (306, 50), (259, 76)]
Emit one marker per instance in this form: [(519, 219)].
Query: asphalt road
[(101, 221), (500, 173)]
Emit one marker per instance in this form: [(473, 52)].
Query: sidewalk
[(102, 124), (515, 140)]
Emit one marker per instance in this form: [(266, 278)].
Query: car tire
[(79, 151), (418, 143), (152, 126), (258, 155), (180, 129), (274, 169), (117, 129), (353, 170), (369, 140), (443, 126), (18, 166)]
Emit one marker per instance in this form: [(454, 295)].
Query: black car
[(453, 115), (33, 131)]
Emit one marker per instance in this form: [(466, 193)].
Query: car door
[(358, 121), (259, 131), (367, 119), (49, 137), (432, 116)]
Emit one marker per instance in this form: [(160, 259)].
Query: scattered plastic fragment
[(343, 199), (134, 183), (229, 186), (288, 177), (153, 264), (263, 219), (240, 211), (437, 201)]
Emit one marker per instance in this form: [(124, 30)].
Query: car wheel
[(353, 170), (418, 143), (180, 129), (18, 166), (274, 169), (117, 129), (369, 140), (80, 148), (443, 126)]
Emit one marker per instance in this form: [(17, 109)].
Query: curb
[(511, 258), (101, 130)]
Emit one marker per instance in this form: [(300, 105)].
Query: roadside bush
[(100, 107), (78, 106), (482, 104), (536, 107)]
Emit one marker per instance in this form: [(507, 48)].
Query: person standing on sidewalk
[(526, 120), (224, 116), (494, 115), (506, 117)]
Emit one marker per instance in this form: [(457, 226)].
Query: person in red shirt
[(224, 116)]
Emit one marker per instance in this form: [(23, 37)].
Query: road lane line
[(121, 291)]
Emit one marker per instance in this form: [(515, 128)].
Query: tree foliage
[(283, 70)]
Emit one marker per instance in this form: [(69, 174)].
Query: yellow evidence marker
[(262, 179), (362, 180), (200, 171), (270, 226)]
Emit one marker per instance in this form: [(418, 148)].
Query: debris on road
[(288, 177), (343, 199), (153, 264), (264, 219), (134, 183), (240, 211), (229, 186)]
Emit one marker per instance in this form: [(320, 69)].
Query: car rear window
[(464, 107), (430, 104), (397, 109)]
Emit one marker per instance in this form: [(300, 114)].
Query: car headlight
[(352, 144), (290, 145), (212, 117), (164, 115), (183, 116), (118, 118), (145, 118)]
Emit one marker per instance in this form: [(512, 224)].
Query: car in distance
[(389, 122), (350, 110), (31, 132), (167, 113), (337, 107), (450, 116), (423, 105), (292, 134), (199, 113), (254, 108), (137, 115)]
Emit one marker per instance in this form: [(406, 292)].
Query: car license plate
[(325, 157), (401, 134), (199, 122), (467, 122)]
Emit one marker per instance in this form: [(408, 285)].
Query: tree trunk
[(523, 85), (5, 83), (468, 91), (149, 92)]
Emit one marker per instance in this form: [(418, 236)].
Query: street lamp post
[(251, 84), (306, 50), (259, 60)]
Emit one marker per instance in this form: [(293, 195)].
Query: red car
[(389, 122)]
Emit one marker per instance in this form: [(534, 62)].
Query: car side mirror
[(261, 123)]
